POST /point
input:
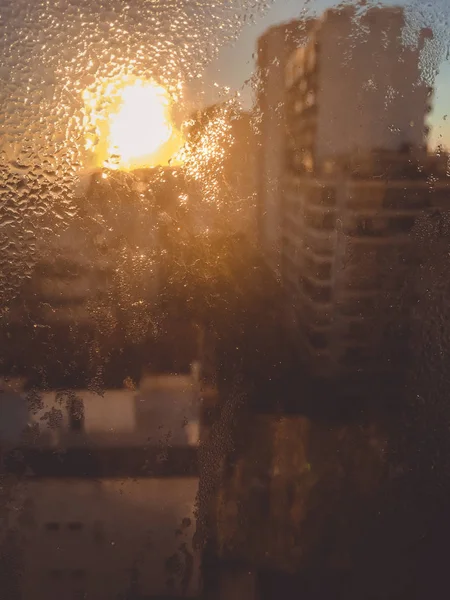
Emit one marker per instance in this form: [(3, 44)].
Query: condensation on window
[(223, 298)]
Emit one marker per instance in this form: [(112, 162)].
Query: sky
[(235, 63)]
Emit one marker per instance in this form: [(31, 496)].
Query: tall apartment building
[(354, 87), (274, 49), (348, 255), (357, 175)]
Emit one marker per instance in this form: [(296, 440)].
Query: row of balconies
[(339, 309), (371, 195), (344, 343), (312, 221), (298, 190), (353, 223), (360, 267), (337, 339), (302, 63)]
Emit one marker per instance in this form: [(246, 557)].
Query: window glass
[(224, 266)]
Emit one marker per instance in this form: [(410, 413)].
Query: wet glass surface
[(224, 265)]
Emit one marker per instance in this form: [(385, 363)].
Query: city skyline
[(224, 363)]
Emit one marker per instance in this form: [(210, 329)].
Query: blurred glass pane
[(223, 299)]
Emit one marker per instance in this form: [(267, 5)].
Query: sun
[(129, 125), (141, 124)]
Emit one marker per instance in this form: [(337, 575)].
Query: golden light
[(141, 125), (128, 125)]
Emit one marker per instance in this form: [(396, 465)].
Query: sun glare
[(141, 125), (129, 125)]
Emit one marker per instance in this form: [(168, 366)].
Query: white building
[(107, 538), (164, 410), (354, 87), (356, 177), (118, 520), (348, 253)]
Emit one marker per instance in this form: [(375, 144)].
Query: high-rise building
[(354, 87), (356, 175), (274, 48), (348, 255)]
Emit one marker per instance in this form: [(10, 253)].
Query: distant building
[(76, 277), (111, 252), (97, 280), (348, 254), (106, 506), (354, 87), (240, 174), (274, 49), (353, 178)]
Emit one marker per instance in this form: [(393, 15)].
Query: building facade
[(354, 176), (96, 282), (354, 87), (105, 504), (274, 49), (349, 259)]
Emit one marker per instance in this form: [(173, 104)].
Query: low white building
[(110, 523)]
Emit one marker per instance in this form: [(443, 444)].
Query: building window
[(321, 220), (317, 340), (368, 227), (99, 532), (317, 292), (76, 414), (78, 573), (56, 573), (52, 526), (401, 224), (75, 526), (310, 99), (328, 196), (357, 356), (406, 199), (358, 331), (320, 270)]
